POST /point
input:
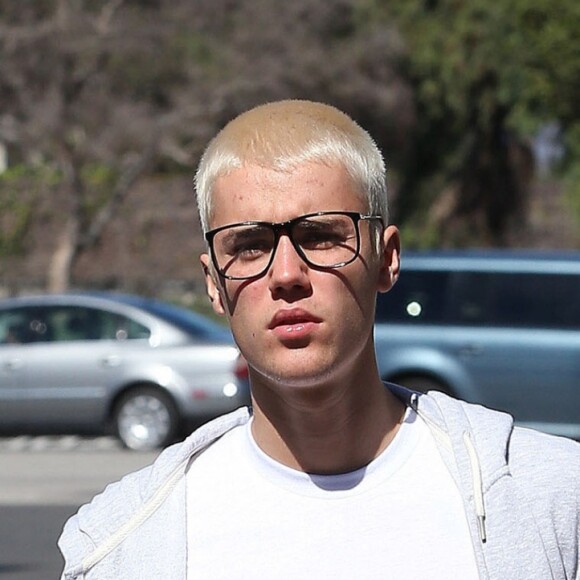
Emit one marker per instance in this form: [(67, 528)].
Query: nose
[(288, 270)]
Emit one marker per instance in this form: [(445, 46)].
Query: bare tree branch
[(103, 21), (122, 189)]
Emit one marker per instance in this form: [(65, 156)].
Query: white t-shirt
[(401, 517)]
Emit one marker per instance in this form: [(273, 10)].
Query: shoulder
[(546, 471), (536, 460), (525, 441), (532, 472), (545, 461), (123, 505), (138, 487), (108, 511)]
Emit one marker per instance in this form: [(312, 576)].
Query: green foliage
[(15, 220), (451, 89), (19, 190), (547, 44), (462, 54), (98, 175), (486, 75), (572, 189), (417, 236), (197, 48), (98, 181)]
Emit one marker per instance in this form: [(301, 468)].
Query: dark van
[(499, 328)]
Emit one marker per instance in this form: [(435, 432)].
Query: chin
[(300, 374), (313, 364)]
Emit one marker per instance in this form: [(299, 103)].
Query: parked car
[(102, 362), (497, 328)]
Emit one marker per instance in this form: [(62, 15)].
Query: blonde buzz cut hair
[(285, 134)]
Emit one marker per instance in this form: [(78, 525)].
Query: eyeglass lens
[(245, 251)]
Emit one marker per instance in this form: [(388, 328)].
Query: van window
[(516, 300), (417, 297), (513, 300)]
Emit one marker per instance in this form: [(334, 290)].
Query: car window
[(196, 325), (417, 297), (516, 300), (14, 326), (67, 323), (118, 327), (511, 300), (23, 326)]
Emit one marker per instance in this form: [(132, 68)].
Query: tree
[(97, 94), (88, 91), (265, 50), (100, 91), (486, 76)]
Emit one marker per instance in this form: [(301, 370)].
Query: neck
[(329, 428)]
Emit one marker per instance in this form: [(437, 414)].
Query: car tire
[(421, 384), (145, 418)]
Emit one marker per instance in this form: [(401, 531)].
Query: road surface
[(44, 480)]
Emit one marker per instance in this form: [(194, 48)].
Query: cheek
[(359, 312), (360, 282), (245, 310)]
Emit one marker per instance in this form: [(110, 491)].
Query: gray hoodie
[(521, 491)]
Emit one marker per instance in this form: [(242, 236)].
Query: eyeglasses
[(327, 239)]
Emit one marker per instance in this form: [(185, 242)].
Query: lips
[(292, 317)]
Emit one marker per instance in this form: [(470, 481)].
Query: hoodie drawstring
[(477, 485), (476, 478)]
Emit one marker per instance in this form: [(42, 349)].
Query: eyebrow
[(241, 233)]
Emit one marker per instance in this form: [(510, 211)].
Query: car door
[(518, 337), (13, 324)]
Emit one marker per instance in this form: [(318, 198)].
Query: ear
[(211, 286), (390, 259)]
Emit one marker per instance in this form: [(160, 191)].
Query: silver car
[(102, 362)]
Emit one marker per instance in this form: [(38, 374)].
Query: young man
[(333, 474)]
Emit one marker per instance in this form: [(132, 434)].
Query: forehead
[(253, 192)]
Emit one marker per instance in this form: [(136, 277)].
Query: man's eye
[(320, 238), (248, 249)]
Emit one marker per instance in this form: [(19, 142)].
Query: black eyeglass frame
[(280, 228)]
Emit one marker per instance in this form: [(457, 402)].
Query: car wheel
[(421, 384), (145, 419)]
